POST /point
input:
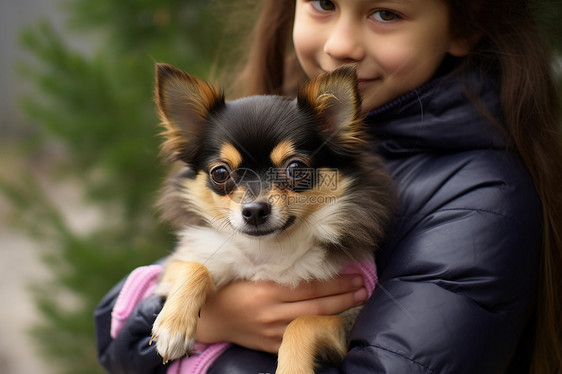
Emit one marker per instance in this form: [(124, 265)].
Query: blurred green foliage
[(98, 105), (96, 102)]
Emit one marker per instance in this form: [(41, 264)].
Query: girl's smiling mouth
[(362, 82)]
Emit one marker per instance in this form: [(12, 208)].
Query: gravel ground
[(20, 267)]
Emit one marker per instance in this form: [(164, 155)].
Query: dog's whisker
[(283, 235), (224, 225), (314, 225)]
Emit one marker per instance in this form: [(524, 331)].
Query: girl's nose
[(344, 42)]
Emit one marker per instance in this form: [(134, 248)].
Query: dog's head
[(259, 165)]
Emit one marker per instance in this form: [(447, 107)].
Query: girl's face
[(397, 44)]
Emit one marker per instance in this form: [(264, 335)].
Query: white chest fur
[(285, 259)]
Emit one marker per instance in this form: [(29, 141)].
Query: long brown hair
[(505, 34), (268, 65), (509, 37)]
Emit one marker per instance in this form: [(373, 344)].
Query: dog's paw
[(174, 337)]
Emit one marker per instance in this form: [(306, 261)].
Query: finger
[(267, 339), (327, 305), (317, 289)]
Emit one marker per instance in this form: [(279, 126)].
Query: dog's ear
[(335, 99), (184, 105)]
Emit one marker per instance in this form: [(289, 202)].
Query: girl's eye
[(220, 174), (385, 16), (323, 5)]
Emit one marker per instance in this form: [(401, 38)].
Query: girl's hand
[(256, 314)]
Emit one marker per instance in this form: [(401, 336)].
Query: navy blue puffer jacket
[(458, 271)]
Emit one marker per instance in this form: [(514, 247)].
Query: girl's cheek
[(411, 69), (302, 33), (396, 59), (306, 48)]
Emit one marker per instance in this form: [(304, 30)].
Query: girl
[(461, 99)]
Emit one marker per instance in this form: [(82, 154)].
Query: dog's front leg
[(187, 285), (309, 338)]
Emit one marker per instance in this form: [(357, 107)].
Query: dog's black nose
[(256, 213)]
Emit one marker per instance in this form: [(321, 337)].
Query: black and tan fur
[(271, 188)]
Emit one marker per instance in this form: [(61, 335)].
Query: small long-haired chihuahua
[(270, 188)]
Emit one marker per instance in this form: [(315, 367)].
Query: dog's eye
[(297, 170), (220, 174)]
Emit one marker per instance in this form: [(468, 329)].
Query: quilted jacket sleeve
[(448, 313), (129, 352)]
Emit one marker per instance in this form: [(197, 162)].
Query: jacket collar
[(440, 117)]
